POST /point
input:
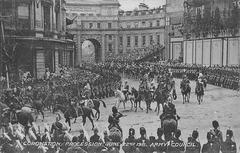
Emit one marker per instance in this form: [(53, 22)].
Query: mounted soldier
[(125, 90)]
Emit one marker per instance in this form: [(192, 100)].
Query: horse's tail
[(104, 105)]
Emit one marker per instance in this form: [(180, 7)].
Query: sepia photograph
[(119, 76)]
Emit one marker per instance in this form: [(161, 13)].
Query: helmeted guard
[(176, 145), (229, 146), (142, 142), (217, 134), (193, 146), (130, 142), (161, 145), (211, 146)]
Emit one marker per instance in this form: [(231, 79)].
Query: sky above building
[(128, 5)]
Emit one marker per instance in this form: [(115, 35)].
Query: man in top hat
[(142, 142), (229, 146)]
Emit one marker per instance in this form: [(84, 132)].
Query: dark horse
[(185, 90), (69, 113), (137, 98), (169, 126), (199, 91), (24, 118), (161, 96), (96, 106)]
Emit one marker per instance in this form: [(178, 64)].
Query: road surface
[(219, 104)]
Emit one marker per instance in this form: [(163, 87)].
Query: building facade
[(35, 36), (113, 31), (212, 32)]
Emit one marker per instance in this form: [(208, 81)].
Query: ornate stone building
[(113, 31), (35, 36)]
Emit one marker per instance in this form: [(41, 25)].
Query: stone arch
[(96, 41)]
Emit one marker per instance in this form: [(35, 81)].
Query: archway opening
[(91, 51)]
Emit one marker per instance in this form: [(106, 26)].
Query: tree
[(198, 23), (234, 20), (206, 22), (216, 22)]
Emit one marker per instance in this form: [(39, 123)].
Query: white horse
[(121, 99)]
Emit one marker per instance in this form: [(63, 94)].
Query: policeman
[(161, 145), (229, 146), (217, 134), (193, 146), (210, 146), (142, 142), (176, 145), (130, 142)]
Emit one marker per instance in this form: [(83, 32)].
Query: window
[(158, 23), (83, 26), (90, 25), (150, 24), (136, 40), (109, 37), (98, 25), (110, 47), (167, 21), (143, 40), (158, 39), (128, 41), (121, 40), (151, 39), (143, 23), (136, 24), (109, 25)]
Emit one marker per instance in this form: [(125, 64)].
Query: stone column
[(79, 50), (116, 44), (103, 47)]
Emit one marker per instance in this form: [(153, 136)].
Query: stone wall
[(212, 51)]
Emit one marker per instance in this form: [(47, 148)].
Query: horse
[(185, 90), (121, 99), (137, 98), (148, 99), (95, 104), (169, 126), (161, 96), (24, 118), (83, 111), (199, 91)]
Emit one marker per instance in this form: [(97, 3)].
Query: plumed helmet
[(195, 134), (131, 132), (178, 133), (114, 109), (215, 124), (142, 131), (229, 133)]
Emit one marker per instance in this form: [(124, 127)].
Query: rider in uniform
[(169, 111), (229, 146), (126, 89), (113, 119)]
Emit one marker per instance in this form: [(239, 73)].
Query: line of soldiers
[(214, 144)]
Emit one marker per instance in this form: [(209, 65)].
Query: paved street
[(220, 104)]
